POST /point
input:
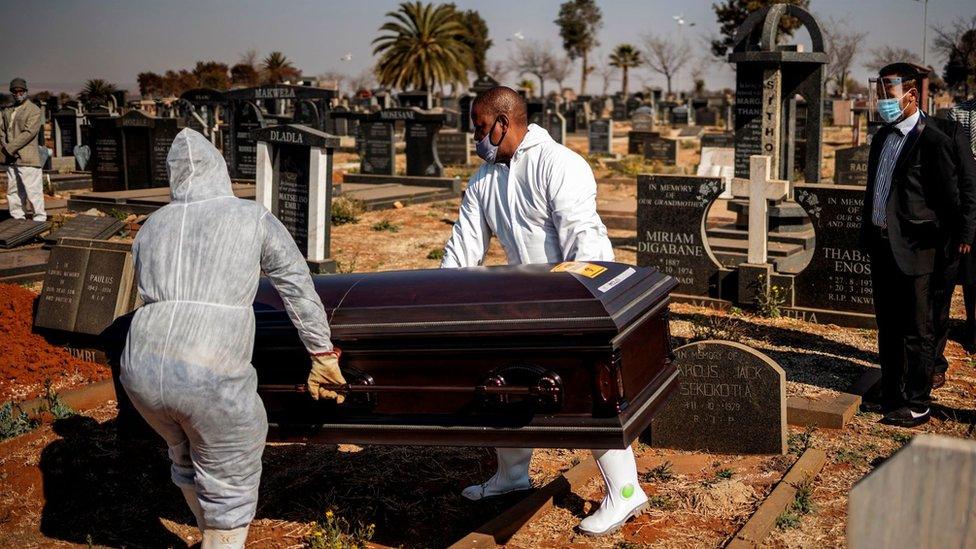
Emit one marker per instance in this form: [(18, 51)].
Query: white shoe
[(225, 539), (608, 519), (512, 475)]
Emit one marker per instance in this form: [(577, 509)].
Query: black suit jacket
[(966, 172), (925, 214)]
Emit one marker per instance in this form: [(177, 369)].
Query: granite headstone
[(731, 399)]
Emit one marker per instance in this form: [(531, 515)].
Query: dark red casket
[(489, 356)]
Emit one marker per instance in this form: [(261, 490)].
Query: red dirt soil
[(27, 360)]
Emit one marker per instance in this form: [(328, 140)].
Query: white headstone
[(923, 497), (718, 162)]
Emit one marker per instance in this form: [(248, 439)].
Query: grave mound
[(28, 359)]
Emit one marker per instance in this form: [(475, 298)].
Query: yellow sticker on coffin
[(589, 270)]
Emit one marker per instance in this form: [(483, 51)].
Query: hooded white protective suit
[(542, 209), (187, 360)]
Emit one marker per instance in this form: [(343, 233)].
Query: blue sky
[(58, 44)]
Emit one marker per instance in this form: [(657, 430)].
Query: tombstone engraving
[(601, 136), (920, 498), (246, 118), (768, 76), (88, 285), (657, 148), (106, 140), (731, 399), (294, 181), (671, 229), (851, 165), (377, 148), (724, 140), (454, 148), (838, 277), (146, 143)]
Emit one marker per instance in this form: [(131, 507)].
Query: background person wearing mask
[(539, 199), (19, 152), (912, 217), (186, 365)]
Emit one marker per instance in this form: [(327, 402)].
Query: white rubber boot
[(190, 495), (624, 496), (512, 475), (225, 539)]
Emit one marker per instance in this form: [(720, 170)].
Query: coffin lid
[(481, 300)]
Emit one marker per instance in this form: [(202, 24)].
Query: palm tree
[(625, 57), (277, 68), (97, 89), (422, 49)]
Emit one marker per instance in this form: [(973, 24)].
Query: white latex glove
[(325, 371)]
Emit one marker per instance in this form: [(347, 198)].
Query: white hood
[(197, 170)]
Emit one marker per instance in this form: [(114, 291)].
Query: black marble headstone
[(731, 399), (636, 140), (851, 165), (377, 148), (838, 277), (454, 147), (670, 229), (421, 149), (289, 202), (86, 226), (601, 138), (247, 118), (661, 149), (106, 139), (748, 118)]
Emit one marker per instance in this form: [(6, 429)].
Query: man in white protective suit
[(539, 199), (187, 359)]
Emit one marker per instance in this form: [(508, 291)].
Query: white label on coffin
[(617, 280)]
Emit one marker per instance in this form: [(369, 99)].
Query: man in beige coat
[(19, 153)]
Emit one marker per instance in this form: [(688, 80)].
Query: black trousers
[(903, 307), (944, 284)]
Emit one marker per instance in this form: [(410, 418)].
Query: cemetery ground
[(73, 482)]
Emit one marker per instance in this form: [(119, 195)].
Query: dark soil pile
[(27, 360)]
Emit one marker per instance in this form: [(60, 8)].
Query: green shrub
[(14, 421), (345, 210), (335, 532), (386, 225), (437, 254)]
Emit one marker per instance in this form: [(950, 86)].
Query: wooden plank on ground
[(500, 529), (762, 522)]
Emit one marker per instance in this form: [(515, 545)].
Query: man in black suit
[(949, 274), (912, 220)]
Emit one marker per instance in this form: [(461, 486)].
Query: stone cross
[(760, 188)]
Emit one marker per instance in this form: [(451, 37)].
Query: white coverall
[(542, 209), (187, 360)]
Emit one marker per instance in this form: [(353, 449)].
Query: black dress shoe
[(906, 417), (938, 380)]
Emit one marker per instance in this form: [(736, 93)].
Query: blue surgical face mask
[(890, 109), (19, 97), (487, 150)]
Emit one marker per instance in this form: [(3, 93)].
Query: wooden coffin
[(532, 355)]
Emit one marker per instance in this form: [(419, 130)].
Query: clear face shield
[(886, 96)]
